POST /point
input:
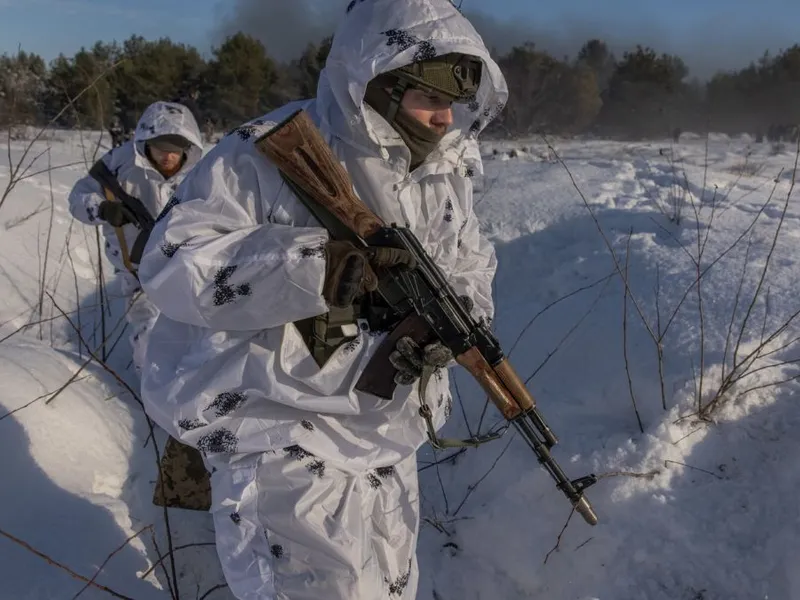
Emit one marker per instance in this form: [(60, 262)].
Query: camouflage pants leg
[(291, 527), (183, 481)]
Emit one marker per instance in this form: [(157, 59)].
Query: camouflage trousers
[(183, 480)]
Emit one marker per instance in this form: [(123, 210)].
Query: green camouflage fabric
[(186, 482)]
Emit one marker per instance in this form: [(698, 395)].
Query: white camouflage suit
[(138, 177), (314, 485)]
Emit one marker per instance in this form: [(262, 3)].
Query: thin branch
[(659, 342), (41, 555), (475, 485), (766, 385), (569, 333), (552, 304), (449, 458), (606, 241), (558, 540), (769, 256), (43, 282), (58, 391), (172, 591), (738, 294), (109, 557), (625, 334), (583, 544), (219, 586), (175, 549), (461, 404), (675, 443), (150, 425), (441, 486), (691, 467)]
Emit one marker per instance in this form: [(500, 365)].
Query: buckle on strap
[(347, 330)]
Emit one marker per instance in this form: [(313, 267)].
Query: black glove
[(115, 213), (409, 359), (350, 271)]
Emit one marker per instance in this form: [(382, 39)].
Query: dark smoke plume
[(287, 26)]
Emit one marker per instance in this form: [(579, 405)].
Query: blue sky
[(724, 32)]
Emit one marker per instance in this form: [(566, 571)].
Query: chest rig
[(324, 334)]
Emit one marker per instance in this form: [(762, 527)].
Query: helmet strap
[(398, 91)]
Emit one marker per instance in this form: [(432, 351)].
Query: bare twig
[(109, 557), (17, 170), (461, 404), (47, 320), (554, 303), (625, 334), (68, 382), (713, 263), (175, 549), (659, 343), (24, 406), (43, 282), (219, 586), (172, 591), (698, 286), (675, 443), (735, 307), (475, 485), (691, 467), (768, 259), (770, 384), (569, 333), (49, 169), (604, 237), (150, 425), (101, 291), (558, 540), (23, 219), (583, 544), (42, 555), (449, 458), (441, 485)]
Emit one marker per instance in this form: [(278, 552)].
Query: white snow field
[(689, 509)]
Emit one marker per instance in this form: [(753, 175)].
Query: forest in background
[(640, 94)]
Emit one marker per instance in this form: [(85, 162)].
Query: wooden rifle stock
[(296, 147)]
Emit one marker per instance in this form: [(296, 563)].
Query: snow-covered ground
[(689, 509)]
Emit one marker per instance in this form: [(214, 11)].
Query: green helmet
[(457, 76), (170, 142)]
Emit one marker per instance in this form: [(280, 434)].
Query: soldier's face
[(432, 110), (166, 162)]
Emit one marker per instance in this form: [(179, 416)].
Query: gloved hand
[(115, 213), (409, 359), (350, 271)]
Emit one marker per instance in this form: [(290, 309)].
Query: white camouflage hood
[(376, 36), (168, 118)]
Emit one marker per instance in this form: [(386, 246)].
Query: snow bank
[(716, 521)]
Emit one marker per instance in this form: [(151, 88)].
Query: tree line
[(639, 94)]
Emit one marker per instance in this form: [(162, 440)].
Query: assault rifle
[(431, 308), (142, 218)]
